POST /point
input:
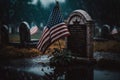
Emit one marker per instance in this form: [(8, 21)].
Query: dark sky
[(102, 11)]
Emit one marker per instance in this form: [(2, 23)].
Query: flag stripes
[(44, 38), (114, 31), (33, 30), (54, 30), (50, 36)]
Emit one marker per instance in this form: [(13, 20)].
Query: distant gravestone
[(97, 32), (24, 32), (4, 35), (80, 26), (105, 32)]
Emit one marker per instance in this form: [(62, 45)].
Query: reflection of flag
[(54, 29), (34, 29), (114, 31)]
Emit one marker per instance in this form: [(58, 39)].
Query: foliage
[(61, 57)]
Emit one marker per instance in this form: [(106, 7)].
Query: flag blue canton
[(55, 17)]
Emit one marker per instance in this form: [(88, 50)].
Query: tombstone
[(4, 35), (80, 25), (105, 32), (24, 32), (97, 32), (10, 30)]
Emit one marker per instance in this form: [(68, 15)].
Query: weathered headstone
[(105, 32), (4, 35), (80, 25), (24, 32)]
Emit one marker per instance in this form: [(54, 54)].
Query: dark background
[(102, 11)]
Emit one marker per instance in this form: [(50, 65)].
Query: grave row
[(80, 42)]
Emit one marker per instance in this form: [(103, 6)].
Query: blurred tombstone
[(17, 30), (10, 30), (4, 35), (24, 32), (80, 25), (105, 32), (97, 32)]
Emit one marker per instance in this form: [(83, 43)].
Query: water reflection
[(34, 69)]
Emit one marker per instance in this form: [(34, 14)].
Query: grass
[(10, 52), (107, 46), (16, 37), (60, 44)]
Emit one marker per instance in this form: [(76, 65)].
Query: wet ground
[(38, 69)]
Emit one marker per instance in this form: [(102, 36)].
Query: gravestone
[(80, 25), (97, 32), (105, 32), (4, 35), (24, 32)]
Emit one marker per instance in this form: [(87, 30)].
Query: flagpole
[(58, 40)]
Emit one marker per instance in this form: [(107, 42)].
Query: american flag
[(54, 30), (34, 29)]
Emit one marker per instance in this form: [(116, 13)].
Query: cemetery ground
[(101, 46), (101, 50), (29, 59)]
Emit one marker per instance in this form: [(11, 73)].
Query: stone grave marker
[(105, 32), (24, 32), (80, 25)]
